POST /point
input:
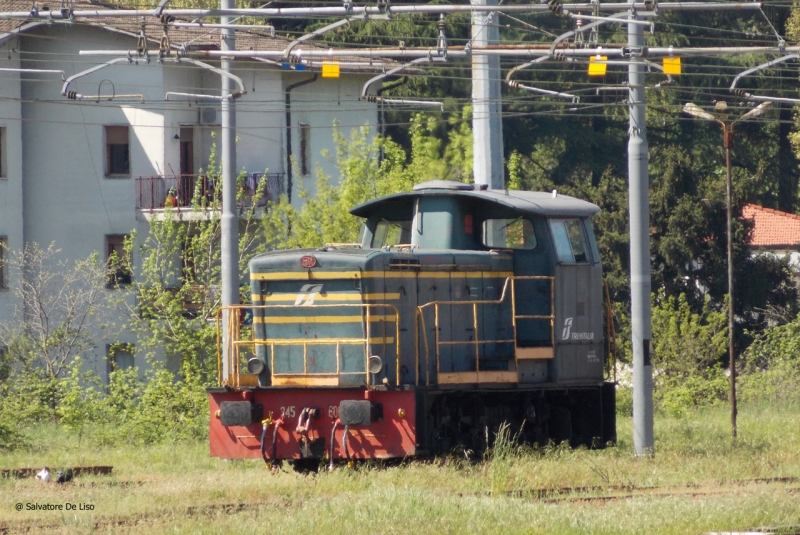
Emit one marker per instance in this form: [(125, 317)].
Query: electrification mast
[(230, 219), (639, 208), (487, 120)]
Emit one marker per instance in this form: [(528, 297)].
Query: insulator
[(441, 24), (555, 6), (740, 92), (513, 84), (72, 95), (167, 19)]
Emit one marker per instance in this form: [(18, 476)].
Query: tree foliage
[(369, 166), (177, 283)]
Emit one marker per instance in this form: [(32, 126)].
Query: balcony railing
[(182, 191)]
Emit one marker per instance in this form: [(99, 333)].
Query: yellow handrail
[(233, 343), (509, 282)]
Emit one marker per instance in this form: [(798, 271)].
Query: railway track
[(549, 495), (569, 493)]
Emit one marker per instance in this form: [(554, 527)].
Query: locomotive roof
[(532, 202)]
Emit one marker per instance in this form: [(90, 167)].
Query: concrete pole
[(230, 220), (487, 120), (639, 208)]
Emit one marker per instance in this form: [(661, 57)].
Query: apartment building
[(85, 168)]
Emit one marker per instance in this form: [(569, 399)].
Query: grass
[(697, 472)]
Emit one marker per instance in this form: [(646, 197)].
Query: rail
[(509, 283), (234, 343)]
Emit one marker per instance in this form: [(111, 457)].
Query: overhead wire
[(431, 74)]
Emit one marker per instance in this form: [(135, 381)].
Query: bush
[(133, 411), (10, 437), (688, 348), (624, 401), (770, 368), (681, 396)]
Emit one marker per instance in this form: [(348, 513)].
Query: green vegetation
[(176, 300), (152, 426), (699, 481), (176, 303)]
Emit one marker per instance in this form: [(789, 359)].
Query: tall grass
[(178, 488)]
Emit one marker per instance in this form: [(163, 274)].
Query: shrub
[(770, 367), (688, 348), (130, 410)]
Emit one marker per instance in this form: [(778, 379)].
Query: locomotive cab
[(544, 240), (460, 309)]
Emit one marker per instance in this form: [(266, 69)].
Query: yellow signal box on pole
[(330, 70), (596, 67), (672, 65)]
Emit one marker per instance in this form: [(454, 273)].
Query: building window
[(3, 268), (120, 356), (118, 261), (305, 149), (117, 151), (3, 152), (187, 150)]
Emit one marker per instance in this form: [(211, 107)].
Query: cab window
[(388, 233), (514, 233), (570, 241)]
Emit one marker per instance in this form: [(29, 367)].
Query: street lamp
[(727, 142)]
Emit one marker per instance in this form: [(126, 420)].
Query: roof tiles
[(772, 228)]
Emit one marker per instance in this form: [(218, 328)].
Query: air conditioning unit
[(208, 115)]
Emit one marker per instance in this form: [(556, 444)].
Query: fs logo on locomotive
[(307, 294), (567, 331)]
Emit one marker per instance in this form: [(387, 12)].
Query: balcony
[(181, 192)]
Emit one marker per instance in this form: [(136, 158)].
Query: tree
[(61, 306), (177, 284), (363, 176)]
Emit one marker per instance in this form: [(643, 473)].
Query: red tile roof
[(772, 228)]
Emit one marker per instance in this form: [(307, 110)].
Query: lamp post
[(727, 142)]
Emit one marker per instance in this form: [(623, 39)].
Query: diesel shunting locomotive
[(460, 310)]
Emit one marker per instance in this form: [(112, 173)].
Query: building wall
[(260, 120), (11, 220), (319, 105), (58, 191)]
